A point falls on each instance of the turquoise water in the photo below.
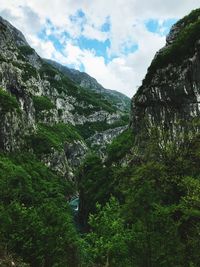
(74, 204)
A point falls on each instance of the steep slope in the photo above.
(152, 169)
(44, 110)
(146, 206)
(38, 143)
(47, 125)
(117, 99)
(169, 98)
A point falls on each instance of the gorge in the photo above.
(134, 164)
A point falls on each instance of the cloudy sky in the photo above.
(112, 40)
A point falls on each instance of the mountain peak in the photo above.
(7, 30)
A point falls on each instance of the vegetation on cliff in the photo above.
(36, 222)
(154, 219)
(139, 206)
(182, 47)
(8, 102)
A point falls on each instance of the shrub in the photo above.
(36, 221)
(48, 137)
(120, 146)
(8, 102)
(26, 50)
(42, 103)
(90, 128)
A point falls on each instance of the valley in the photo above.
(91, 178)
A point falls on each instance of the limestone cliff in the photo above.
(169, 97)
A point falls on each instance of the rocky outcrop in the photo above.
(102, 139)
(169, 98)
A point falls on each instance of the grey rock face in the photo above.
(106, 137)
(75, 152)
(170, 101)
(9, 32)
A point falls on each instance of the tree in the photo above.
(107, 243)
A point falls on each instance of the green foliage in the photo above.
(48, 70)
(90, 128)
(107, 243)
(7, 259)
(93, 177)
(28, 72)
(96, 100)
(26, 50)
(191, 18)
(42, 103)
(120, 146)
(182, 47)
(159, 213)
(62, 84)
(48, 137)
(8, 102)
(35, 219)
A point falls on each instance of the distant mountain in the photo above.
(45, 109)
(118, 99)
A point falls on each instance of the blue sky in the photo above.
(114, 41)
(101, 47)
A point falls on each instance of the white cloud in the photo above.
(93, 33)
(126, 18)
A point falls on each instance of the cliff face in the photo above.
(43, 110)
(169, 98)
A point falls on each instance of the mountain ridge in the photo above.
(86, 81)
(48, 99)
(135, 201)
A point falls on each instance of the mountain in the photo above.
(48, 124)
(147, 211)
(119, 100)
(138, 205)
(45, 106)
(169, 97)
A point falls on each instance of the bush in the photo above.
(8, 102)
(26, 50)
(42, 103)
(90, 128)
(36, 221)
(120, 146)
(107, 242)
(48, 137)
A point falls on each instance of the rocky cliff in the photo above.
(169, 97)
(43, 110)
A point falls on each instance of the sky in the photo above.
(114, 41)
